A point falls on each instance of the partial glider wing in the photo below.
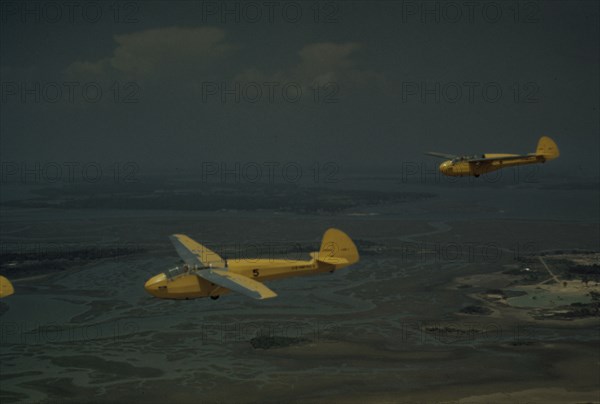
(505, 158)
(6, 288)
(442, 155)
(237, 283)
(195, 254)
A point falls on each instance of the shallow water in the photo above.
(92, 332)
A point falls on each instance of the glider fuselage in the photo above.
(461, 168)
(205, 273)
(185, 284)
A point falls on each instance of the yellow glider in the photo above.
(6, 288)
(206, 274)
(460, 166)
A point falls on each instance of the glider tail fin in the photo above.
(547, 148)
(337, 249)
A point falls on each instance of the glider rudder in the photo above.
(547, 148)
(336, 245)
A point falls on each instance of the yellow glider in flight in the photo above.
(6, 288)
(460, 166)
(206, 274)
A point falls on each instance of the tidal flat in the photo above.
(391, 328)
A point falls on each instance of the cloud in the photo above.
(319, 64)
(156, 53)
(178, 60)
(325, 60)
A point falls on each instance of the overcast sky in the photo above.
(364, 84)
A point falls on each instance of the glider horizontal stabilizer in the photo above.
(329, 260)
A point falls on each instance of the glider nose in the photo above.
(446, 167)
(156, 285)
